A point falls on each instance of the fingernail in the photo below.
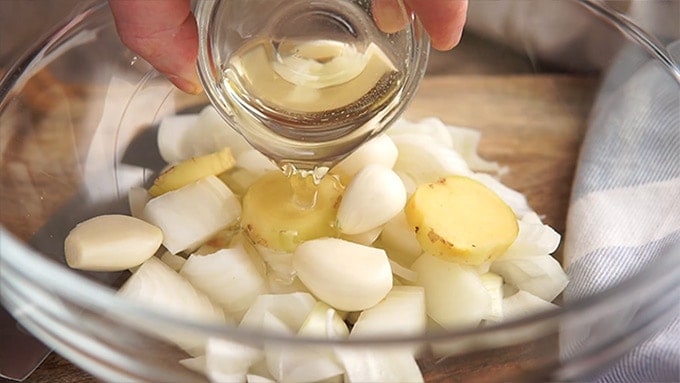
(189, 85)
(389, 16)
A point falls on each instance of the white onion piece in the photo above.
(291, 309)
(364, 365)
(494, 285)
(403, 272)
(229, 361)
(174, 261)
(192, 214)
(288, 363)
(542, 276)
(533, 240)
(137, 199)
(425, 160)
(379, 150)
(195, 364)
(211, 133)
(280, 263)
(516, 200)
(466, 142)
(397, 234)
(373, 197)
(409, 183)
(228, 277)
(276, 285)
(455, 294)
(431, 127)
(324, 322)
(111, 243)
(524, 303)
(255, 162)
(173, 137)
(346, 275)
(156, 285)
(300, 364)
(252, 378)
(401, 313)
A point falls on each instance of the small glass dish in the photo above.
(307, 82)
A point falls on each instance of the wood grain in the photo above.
(533, 124)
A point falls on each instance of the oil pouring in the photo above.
(306, 82)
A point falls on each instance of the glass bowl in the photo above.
(78, 119)
(256, 60)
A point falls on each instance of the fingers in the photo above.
(443, 20)
(164, 33)
(389, 15)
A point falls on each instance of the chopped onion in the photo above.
(174, 261)
(173, 138)
(137, 199)
(425, 160)
(192, 214)
(400, 314)
(229, 361)
(494, 285)
(291, 309)
(533, 239)
(228, 277)
(455, 294)
(524, 303)
(542, 276)
(516, 200)
(156, 285)
(429, 127)
(364, 365)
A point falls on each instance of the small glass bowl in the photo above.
(311, 48)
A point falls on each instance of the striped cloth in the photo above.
(625, 207)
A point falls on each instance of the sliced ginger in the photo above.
(281, 212)
(192, 170)
(459, 219)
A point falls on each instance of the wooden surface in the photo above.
(531, 123)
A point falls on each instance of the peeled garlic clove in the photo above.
(373, 197)
(379, 150)
(345, 275)
(111, 243)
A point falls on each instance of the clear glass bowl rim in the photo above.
(59, 280)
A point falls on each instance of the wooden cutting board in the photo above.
(531, 124)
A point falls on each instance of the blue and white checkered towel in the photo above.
(625, 207)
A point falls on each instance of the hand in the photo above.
(164, 32)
